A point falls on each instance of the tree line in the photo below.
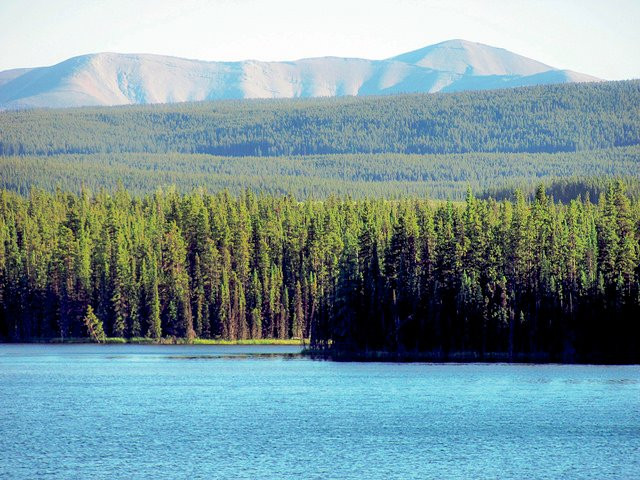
(547, 118)
(513, 277)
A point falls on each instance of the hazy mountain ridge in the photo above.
(120, 79)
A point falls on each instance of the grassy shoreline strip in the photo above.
(167, 341)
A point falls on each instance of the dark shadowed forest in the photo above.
(499, 279)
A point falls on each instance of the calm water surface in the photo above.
(156, 412)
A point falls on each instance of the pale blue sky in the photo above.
(598, 37)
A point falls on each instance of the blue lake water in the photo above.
(156, 412)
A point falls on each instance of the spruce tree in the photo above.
(94, 326)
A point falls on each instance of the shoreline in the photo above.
(460, 357)
(160, 341)
(371, 356)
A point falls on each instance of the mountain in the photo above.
(121, 79)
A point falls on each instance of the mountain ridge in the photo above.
(110, 78)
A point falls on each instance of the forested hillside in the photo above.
(358, 175)
(505, 280)
(124, 240)
(378, 146)
(553, 118)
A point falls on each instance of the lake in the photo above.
(202, 412)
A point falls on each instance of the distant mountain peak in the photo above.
(109, 78)
(470, 58)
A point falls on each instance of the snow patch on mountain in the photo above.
(120, 79)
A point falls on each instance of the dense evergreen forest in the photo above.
(318, 224)
(508, 279)
(358, 175)
(550, 118)
(401, 145)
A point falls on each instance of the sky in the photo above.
(597, 37)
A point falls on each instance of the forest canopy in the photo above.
(510, 279)
(318, 176)
(540, 119)
(389, 146)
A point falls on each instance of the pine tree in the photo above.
(120, 298)
(152, 296)
(178, 318)
(283, 315)
(298, 312)
(94, 326)
(255, 306)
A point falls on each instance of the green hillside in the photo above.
(366, 146)
(555, 118)
(358, 175)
